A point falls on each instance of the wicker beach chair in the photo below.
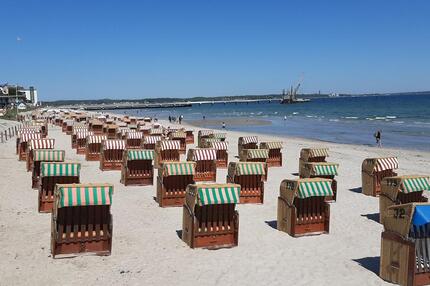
(172, 181)
(402, 190)
(76, 129)
(179, 135)
(43, 155)
(111, 154)
(93, 147)
(275, 154)
(81, 220)
(189, 139)
(150, 141)
(96, 126)
(166, 151)
(209, 217)
(311, 155)
(110, 131)
(26, 130)
(221, 152)
(201, 135)
(249, 175)
(255, 155)
(34, 144)
(373, 170)
(133, 140)
(302, 209)
(43, 124)
(322, 170)
(156, 131)
(52, 173)
(81, 141)
(68, 126)
(205, 164)
(405, 245)
(23, 142)
(137, 168)
(247, 142)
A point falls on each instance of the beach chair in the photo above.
(205, 164)
(110, 130)
(302, 209)
(256, 155)
(189, 139)
(275, 154)
(23, 141)
(102, 118)
(81, 141)
(165, 151)
(179, 135)
(93, 147)
(76, 129)
(249, 175)
(26, 130)
(111, 154)
(147, 119)
(133, 140)
(137, 168)
(221, 153)
(150, 141)
(96, 126)
(402, 190)
(209, 217)
(43, 155)
(156, 131)
(52, 173)
(203, 134)
(220, 136)
(172, 181)
(121, 132)
(247, 142)
(68, 126)
(33, 144)
(405, 245)
(145, 130)
(373, 170)
(81, 220)
(311, 155)
(322, 170)
(43, 124)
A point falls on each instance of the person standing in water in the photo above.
(223, 125)
(377, 135)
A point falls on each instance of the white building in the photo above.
(30, 95)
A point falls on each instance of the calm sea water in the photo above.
(403, 119)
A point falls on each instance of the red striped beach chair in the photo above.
(209, 217)
(256, 155)
(373, 170)
(93, 147)
(43, 155)
(33, 144)
(52, 173)
(25, 130)
(134, 140)
(81, 141)
(275, 154)
(166, 151)
(302, 209)
(149, 142)
(81, 220)
(137, 168)
(24, 139)
(189, 139)
(311, 155)
(205, 159)
(249, 175)
(402, 190)
(43, 124)
(181, 136)
(172, 181)
(156, 131)
(405, 244)
(322, 170)
(247, 142)
(203, 134)
(145, 130)
(221, 152)
(112, 154)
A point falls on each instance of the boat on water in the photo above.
(291, 97)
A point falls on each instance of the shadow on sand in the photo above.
(272, 223)
(356, 190)
(370, 263)
(374, 217)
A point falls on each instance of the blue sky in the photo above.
(139, 49)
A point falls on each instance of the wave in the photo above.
(351, 117)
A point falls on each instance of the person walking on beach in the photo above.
(180, 118)
(223, 125)
(377, 135)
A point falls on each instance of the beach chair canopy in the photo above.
(82, 134)
(113, 144)
(48, 155)
(156, 131)
(140, 154)
(246, 168)
(78, 127)
(110, 126)
(28, 130)
(96, 139)
(212, 194)
(179, 168)
(219, 135)
(75, 195)
(207, 141)
(42, 143)
(204, 154)
(69, 122)
(151, 139)
(372, 165)
(255, 154)
(392, 186)
(218, 145)
(57, 169)
(205, 132)
(30, 136)
(178, 135)
(96, 122)
(134, 135)
(402, 219)
(322, 168)
(305, 188)
(271, 145)
(314, 152)
(169, 145)
(248, 139)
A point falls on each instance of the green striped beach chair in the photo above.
(275, 154)
(172, 181)
(43, 155)
(81, 219)
(137, 168)
(209, 217)
(52, 173)
(249, 175)
(373, 170)
(311, 155)
(255, 155)
(322, 170)
(402, 190)
(302, 209)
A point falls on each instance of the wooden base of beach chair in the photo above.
(138, 173)
(310, 216)
(166, 156)
(46, 191)
(222, 159)
(213, 226)
(92, 156)
(385, 202)
(171, 190)
(110, 165)
(371, 184)
(205, 177)
(111, 160)
(78, 230)
(149, 146)
(274, 160)
(22, 151)
(73, 141)
(80, 150)
(205, 171)
(251, 188)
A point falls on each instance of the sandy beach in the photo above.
(148, 251)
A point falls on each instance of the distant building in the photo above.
(10, 93)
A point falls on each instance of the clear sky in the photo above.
(137, 49)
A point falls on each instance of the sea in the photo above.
(404, 120)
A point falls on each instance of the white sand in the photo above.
(147, 249)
